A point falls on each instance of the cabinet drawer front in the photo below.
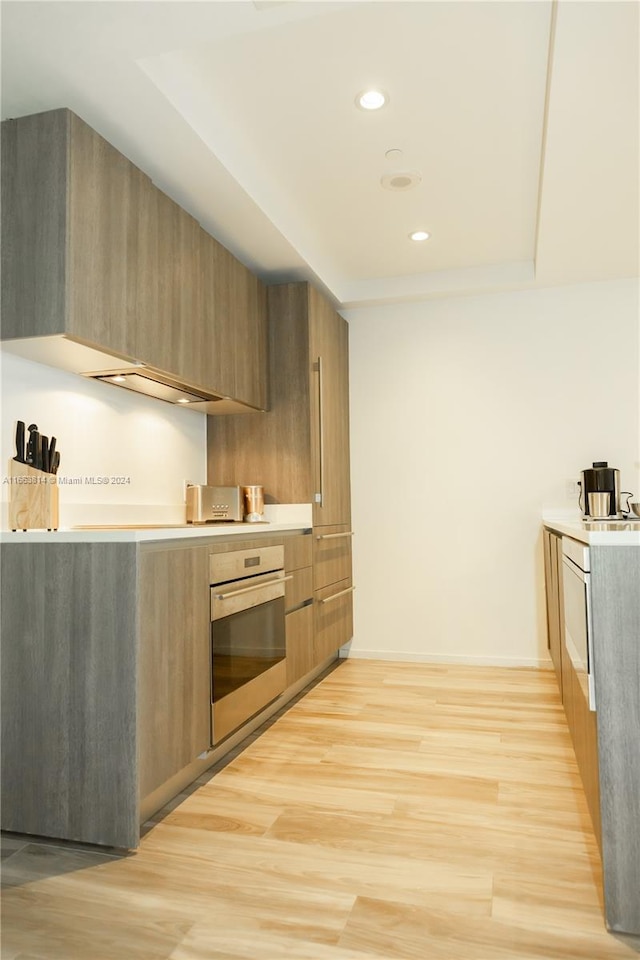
(331, 554)
(333, 618)
(297, 552)
(299, 634)
(299, 589)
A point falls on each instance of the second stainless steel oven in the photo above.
(248, 666)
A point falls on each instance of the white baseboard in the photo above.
(402, 657)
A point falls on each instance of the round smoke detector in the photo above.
(401, 180)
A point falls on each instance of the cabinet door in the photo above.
(154, 339)
(299, 589)
(34, 221)
(104, 194)
(333, 619)
(174, 662)
(582, 724)
(249, 308)
(329, 345)
(68, 691)
(299, 634)
(215, 266)
(272, 448)
(298, 551)
(170, 332)
(552, 570)
(187, 340)
(331, 555)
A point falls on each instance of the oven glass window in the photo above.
(246, 644)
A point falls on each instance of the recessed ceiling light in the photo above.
(401, 180)
(119, 379)
(419, 235)
(183, 400)
(371, 99)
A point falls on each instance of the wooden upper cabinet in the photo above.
(215, 266)
(69, 232)
(235, 325)
(188, 328)
(34, 223)
(158, 309)
(104, 194)
(249, 309)
(91, 249)
(170, 325)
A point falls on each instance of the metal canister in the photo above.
(253, 503)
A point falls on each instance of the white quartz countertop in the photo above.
(597, 532)
(148, 532)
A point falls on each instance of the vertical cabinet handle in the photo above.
(319, 497)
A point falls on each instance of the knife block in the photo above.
(33, 498)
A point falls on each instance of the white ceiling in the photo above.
(522, 119)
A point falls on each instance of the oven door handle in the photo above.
(255, 586)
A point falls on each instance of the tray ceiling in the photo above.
(518, 121)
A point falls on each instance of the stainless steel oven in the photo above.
(248, 666)
(578, 632)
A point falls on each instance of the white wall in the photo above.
(104, 431)
(468, 416)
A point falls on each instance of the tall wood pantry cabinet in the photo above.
(299, 449)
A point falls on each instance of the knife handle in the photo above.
(20, 441)
(37, 451)
(55, 462)
(44, 453)
(30, 457)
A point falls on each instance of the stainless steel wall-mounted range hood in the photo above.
(76, 357)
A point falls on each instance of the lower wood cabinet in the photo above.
(299, 606)
(582, 721)
(173, 662)
(300, 660)
(69, 673)
(105, 680)
(333, 589)
(333, 619)
(553, 583)
(583, 726)
(331, 554)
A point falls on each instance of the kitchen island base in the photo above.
(106, 684)
(605, 739)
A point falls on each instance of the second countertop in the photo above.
(597, 533)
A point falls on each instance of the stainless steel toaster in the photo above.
(207, 504)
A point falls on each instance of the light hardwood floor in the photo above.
(395, 811)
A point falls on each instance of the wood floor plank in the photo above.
(284, 865)
(395, 811)
(209, 942)
(225, 815)
(257, 780)
(412, 931)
